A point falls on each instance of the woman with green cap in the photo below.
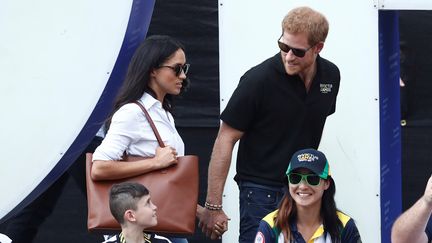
(308, 211)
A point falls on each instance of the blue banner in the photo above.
(390, 129)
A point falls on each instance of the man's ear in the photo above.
(129, 215)
(319, 47)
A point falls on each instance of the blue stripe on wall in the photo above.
(390, 129)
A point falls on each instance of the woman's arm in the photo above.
(111, 170)
(127, 127)
(265, 233)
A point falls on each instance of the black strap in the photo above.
(158, 137)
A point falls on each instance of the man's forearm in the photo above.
(218, 170)
(410, 226)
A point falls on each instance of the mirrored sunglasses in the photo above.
(178, 68)
(311, 179)
(296, 51)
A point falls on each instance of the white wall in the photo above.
(56, 57)
(404, 4)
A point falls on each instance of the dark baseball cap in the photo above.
(311, 159)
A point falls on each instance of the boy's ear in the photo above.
(129, 216)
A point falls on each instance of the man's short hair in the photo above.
(125, 196)
(306, 20)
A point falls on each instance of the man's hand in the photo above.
(218, 230)
(212, 222)
(410, 226)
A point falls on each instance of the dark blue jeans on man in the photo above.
(256, 201)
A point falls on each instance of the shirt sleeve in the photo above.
(265, 233)
(123, 130)
(335, 76)
(244, 103)
(332, 109)
(350, 233)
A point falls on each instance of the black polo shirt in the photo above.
(278, 117)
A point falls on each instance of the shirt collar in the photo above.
(318, 233)
(281, 68)
(148, 101)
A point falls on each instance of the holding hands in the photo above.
(214, 223)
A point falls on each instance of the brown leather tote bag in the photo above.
(174, 190)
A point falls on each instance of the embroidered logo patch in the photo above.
(259, 238)
(307, 157)
(326, 88)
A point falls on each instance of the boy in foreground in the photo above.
(131, 206)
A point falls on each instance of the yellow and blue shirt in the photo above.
(269, 233)
(148, 238)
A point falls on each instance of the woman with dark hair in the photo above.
(308, 211)
(155, 74)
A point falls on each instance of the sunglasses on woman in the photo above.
(296, 51)
(311, 179)
(178, 68)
